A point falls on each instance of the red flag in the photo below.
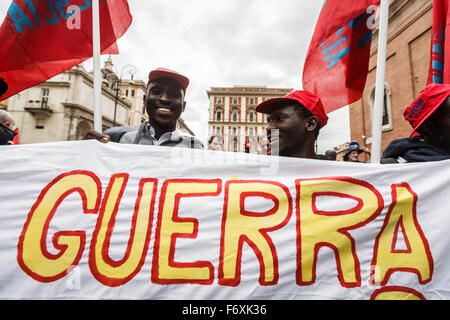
(42, 38)
(440, 60)
(337, 62)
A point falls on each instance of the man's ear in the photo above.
(311, 124)
(184, 106)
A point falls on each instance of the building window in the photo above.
(235, 145)
(218, 132)
(250, 132)
(132, 93)
(251, 115)
(235, 101)
(219, 100)
(44, 97)
(219, 114)
(40, 123)
(387, 111)
(251, 101)
(234, 131)
(235, 114)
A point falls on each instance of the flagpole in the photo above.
(377, 119)
(97, 75)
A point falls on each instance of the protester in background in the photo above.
(165, 101)
(294, 123)
(263, 143)
(7, 126)
(215, 143)
(3, 86)
(429, 116)
(353, 152)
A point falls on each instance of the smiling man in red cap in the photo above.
(429, 116)
(164, 102)
(294, 123)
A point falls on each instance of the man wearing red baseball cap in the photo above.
(165, 102)
(294, 123)
(429, 116)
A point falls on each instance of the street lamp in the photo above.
(125, 69)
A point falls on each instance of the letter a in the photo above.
(417, 258)
(74, 21)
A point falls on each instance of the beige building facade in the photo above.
(232, 114)
(62, 108)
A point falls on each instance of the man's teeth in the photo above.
(164, 109)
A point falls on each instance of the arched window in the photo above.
(235, 114)
(219, 114)
(387, 112)
(82, 128)
(251, 114)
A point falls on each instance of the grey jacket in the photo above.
(145, 135)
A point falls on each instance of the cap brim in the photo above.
(270, 105)
(182, 80)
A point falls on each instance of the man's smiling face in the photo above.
(164, 102)
(290, 128)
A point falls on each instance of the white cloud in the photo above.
(224, 43)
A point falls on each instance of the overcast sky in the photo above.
(223, 43)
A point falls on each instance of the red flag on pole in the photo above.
(440, 60)
(337, 62)
(42, 38)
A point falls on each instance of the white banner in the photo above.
(85, 220)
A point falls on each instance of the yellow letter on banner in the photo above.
(170, 226)
(33, 256)
(115, 273)
(329, 228)
(239, 226)
(417, 256)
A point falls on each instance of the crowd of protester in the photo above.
(294, 124)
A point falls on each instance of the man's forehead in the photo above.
(284, 108)
(167, 82)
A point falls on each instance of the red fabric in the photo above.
(425, 104)
(307, 99)
(440, 60)
(16, 137)
(37, 44)
(337, 62)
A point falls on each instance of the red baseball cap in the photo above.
(426, 104)
(307, 99)
(167, 73)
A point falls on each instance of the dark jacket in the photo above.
(142, 135)
(413, 149)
